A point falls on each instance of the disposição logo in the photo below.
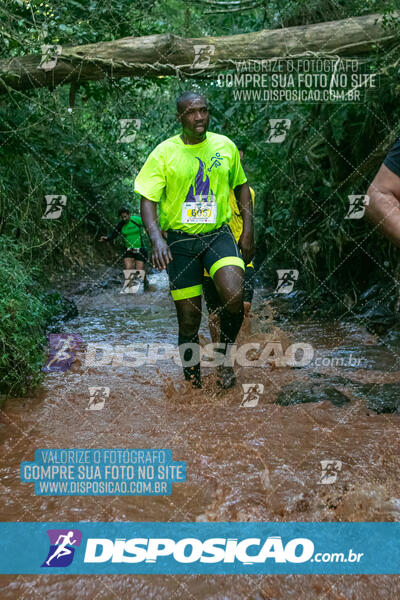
(62, 547)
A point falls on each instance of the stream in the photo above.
(254, 462)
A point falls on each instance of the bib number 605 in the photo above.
(200, 212)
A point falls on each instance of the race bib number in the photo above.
(199, 212)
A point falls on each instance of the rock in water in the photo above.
(300, 392)
(60, 308)
(382, 397)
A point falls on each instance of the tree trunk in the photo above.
(167, 54)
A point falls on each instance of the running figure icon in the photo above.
(62, 549)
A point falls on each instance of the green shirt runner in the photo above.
(130, 231)
(191, 182)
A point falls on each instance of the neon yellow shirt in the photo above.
(179, 175)
(236, 221)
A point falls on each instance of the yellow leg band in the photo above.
(231, 261)
(189, 292)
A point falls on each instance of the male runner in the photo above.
(384, 196)
(210, 293)
(189, 176)
(130, 228)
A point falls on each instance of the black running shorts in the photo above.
(192, 253)
(136, 254)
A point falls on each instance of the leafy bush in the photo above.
(23, 318)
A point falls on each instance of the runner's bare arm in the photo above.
(161, 253)
(116, 231)
(246, 241)
(384, 203)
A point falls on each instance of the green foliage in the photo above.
(24, 314)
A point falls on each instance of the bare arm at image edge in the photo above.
(384, 204)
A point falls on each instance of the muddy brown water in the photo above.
(243, 464)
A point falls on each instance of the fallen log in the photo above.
(168, 54)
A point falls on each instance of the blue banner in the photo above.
(194, 548)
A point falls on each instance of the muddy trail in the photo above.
(259, 461)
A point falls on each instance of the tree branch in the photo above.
(168, 54)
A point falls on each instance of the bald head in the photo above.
(186, 98)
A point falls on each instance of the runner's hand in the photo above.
(103, 238)
(246, 245)
(161, 254)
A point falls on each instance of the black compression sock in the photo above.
(190, 353)
(230, 324)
